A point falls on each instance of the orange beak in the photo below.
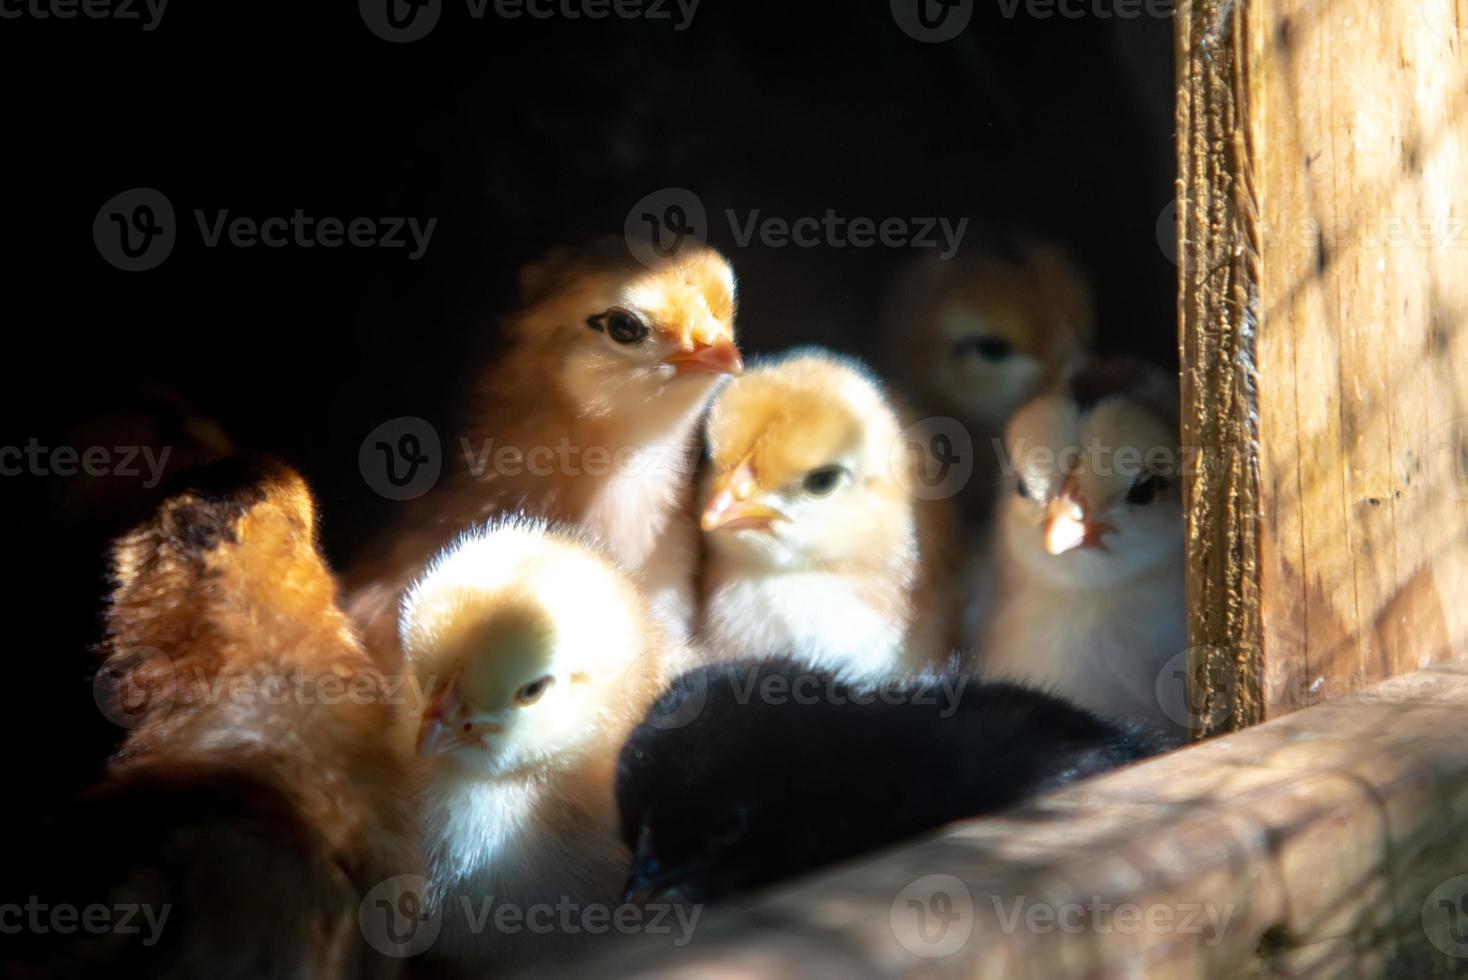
(448, 724)
(729, 509)
(1067, 526)
(717, 357)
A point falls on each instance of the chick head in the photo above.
(985, 333)
(802, 471)
(530, 646)
(624, 333)
(1093, 495)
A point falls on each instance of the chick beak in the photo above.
(448, 724)
(1067, 526)
(707, 357)
(730, 508)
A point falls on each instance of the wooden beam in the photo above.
(1324, 231)
(1321, 844)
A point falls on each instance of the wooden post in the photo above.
(1323, 227)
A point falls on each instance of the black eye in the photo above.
(989, 348)
(824, 481)
(728, 829)
(620, 325)
(1022, 489)
(531, 693)
(1146, 489)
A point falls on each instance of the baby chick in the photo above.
(1089, 554)
(590, 419)
(977, 336)
(256, 800)
(777, 769)
(817, 546)
(542, 655)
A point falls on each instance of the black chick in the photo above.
(748, 773)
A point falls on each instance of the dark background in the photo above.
(516, 135)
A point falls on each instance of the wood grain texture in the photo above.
(1325, 280)
(1319, 845)
(1218, 324)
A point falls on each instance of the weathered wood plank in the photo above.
(1324, 285)
(1320, 844)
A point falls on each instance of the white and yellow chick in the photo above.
(589, 419)
(817, 547)
(541, 655)
(1088, 551)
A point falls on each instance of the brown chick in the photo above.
(256, 799)
(975, 337)
(593, 415)
(818, 547)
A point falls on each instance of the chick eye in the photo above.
(824, 481)
(620, 325)
(992, 349)
(1022, 489)
(532, 692)
(729, 828)
(1146, 489)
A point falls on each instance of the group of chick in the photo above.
(730, 636)
(548, 612)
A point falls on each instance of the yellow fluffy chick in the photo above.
(1088, 555)
(589, 419)
(818, 548)
(542, 655)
